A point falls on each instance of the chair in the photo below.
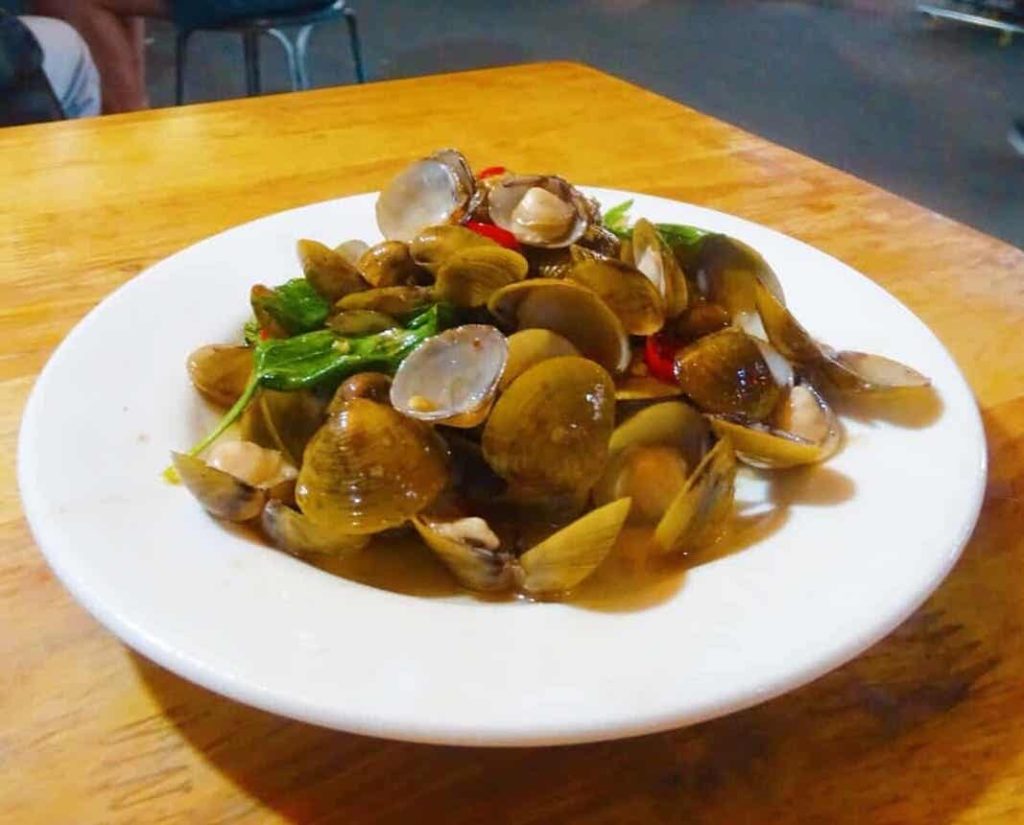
(251, 28)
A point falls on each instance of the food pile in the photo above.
(515, 377)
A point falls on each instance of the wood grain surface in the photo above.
(924, 728)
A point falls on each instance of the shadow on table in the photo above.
(915, 730)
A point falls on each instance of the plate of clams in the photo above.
(490, 457)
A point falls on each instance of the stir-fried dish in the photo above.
(515, 377)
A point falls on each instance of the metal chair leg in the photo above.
(251, 50)
(180, 63)
(353, 38)
(302, 54)
(294, 70)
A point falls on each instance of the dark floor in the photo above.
(865, 85)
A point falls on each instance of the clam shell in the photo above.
(548, 432)
(389, 263)
(563, 560)
(220, 373)
(699, 511)
(431, 191)
(626, 291)
(652, 257)
(369, 468)
(469, 277)
(531, 346)
(539, 210)
(297, 535)
(328, 272)
(477, 568)
(574, 312)
(220, 493)
(435, 244)
(391, 300)
(726, 373)
(451, 378)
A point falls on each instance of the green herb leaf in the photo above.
(322, 359)
(251, 332)
(677, 234)
(617, 219)
(295, 306)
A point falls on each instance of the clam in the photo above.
(428, 192)
(855, 372)
(699, 319)
(389, 263)
(601, 240)
(539, 210)
(469, 549)
(803, 430)
(645, 388)
(352, 250)
(727, 373)
(330, 274)
(373, 385)
(563, 560)
(359, 322)
(863, 372)
(297, 535)
(670, 423)
(283, 421)
(369, 468)
(260, 467)
(655, 260)
(650, 457)
(220, 373)
(574, 312)
(223, 495)
(435, 244)
(391, 300)
(469, 277)
(547, 435)
(531, 346)
(700, 510)
(237, 480)
(626, 291)
(451, 378)
(729, 273)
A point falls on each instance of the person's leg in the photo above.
(68, 66)
(115, 43)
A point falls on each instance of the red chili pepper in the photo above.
(495, 233)
(491, 171)
(264, 335)
(659, 355)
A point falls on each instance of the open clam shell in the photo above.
(539, 210)
(655, 260)
(296, 534)
(431, 191)
(700, 510)
(565, 559)
(729, 273)
(803, 430)
(220, 372)
(220, 493)
(389, 263)
(389, 300)
(469, 549)
(573, 311)
(451, 378)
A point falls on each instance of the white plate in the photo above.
(864, 544)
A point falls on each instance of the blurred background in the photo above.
(919, 105)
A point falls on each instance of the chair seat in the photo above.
(308, 15)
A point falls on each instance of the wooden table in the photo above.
(924, 728)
